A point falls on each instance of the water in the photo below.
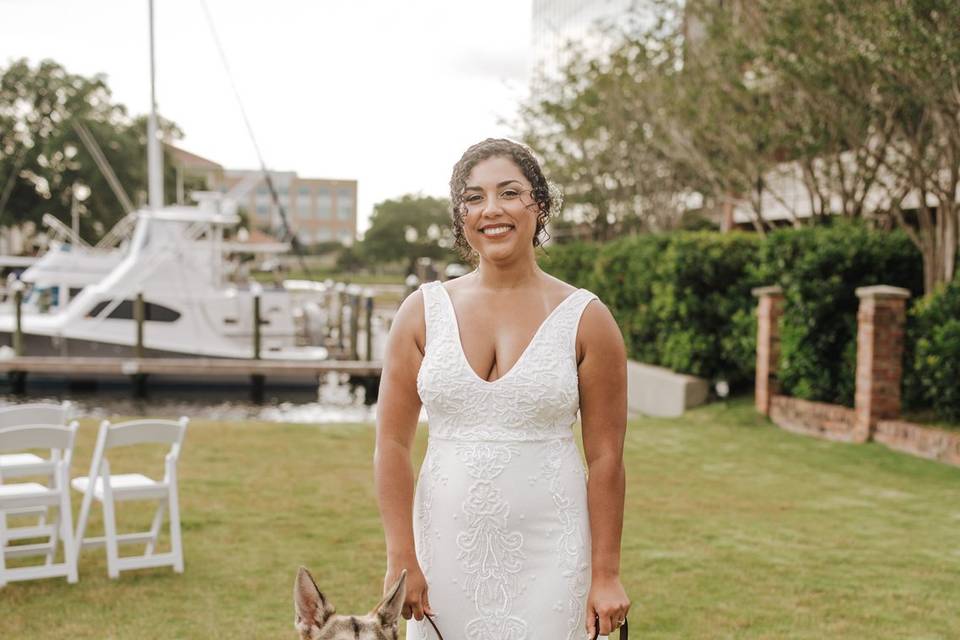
(335, 401)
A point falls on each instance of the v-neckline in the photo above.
(523, 354)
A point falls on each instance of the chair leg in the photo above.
(155, 528)
(55, 535)
(110, 536)
(176, 546)
(3, 548)
(66, 534)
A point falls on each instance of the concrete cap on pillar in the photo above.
(882, 291)
(772, 290)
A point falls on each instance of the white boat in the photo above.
(70, 264)
(175, 258)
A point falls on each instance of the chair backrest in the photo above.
(38, 436)
(35, 413)
(145, 432)
(134, 432)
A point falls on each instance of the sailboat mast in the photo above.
(154, 154)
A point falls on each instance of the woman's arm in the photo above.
(398, 408)
(603, 412)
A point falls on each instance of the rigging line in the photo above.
(288, 231)
(102, 163)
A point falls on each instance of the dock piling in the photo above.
(354, 326)
(18, 326)
(139, 316)
(368, 351)
(256, 327)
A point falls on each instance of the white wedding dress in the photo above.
(500, 513)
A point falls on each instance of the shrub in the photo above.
(819, 269)
(623, 277)
(674, 296)
(702, 285)
(932, 363)
(571, 262)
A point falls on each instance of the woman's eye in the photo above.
(473, 198)
(509, 194)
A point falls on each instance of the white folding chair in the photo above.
(14, 465)
(18, 499)
(109, 489)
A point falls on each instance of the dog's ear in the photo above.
(388, 611)
(312, 609)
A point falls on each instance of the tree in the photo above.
(43, 161)
(592, 128)
(408, 228)
(852, 106)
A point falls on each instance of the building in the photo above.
(317, 209)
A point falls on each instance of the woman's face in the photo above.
(499, 212)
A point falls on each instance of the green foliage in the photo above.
(572, 262)
(703, 281)
(932, 365)
(674, 296)
(42, 159)
(387, 238)
(819, 269)
(816, 108)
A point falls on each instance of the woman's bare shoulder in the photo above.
(599, 332)
(409, 323)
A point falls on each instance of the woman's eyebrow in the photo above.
(499, 185)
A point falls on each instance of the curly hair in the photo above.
(523, 157)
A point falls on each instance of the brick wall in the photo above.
(820, 419)
(880, 330)
(918, 440)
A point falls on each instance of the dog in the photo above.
(316, 618)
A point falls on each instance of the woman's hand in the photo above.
(416, 602)
(607, 601)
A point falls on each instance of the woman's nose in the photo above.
(491, 203)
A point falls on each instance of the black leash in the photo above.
(623, 628)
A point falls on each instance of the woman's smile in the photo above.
(495, 232)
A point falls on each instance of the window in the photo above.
(324, 203)
(344, 204)
(304, 192)
(152, 312)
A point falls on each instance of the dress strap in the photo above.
(432, 308)
(574, 312)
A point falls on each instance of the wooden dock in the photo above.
(197, 370)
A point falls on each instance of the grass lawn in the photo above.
(734, 529)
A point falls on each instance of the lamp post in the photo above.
(78, 194)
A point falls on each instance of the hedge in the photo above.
(678, 297)
(819, 269)
(683, 299)
(932, 362)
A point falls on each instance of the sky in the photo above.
(387, 92)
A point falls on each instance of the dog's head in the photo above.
(316, 618)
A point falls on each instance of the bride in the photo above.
(507, 536)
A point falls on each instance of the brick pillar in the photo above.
(769, 310)
(880, 324)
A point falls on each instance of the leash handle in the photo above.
(624, 631)
(433, 624)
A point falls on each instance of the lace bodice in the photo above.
(537, 399)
